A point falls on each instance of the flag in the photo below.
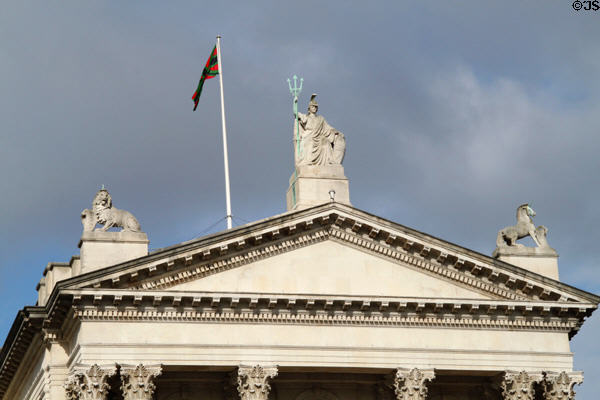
(210, 71)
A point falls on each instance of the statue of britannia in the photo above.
(317, 142)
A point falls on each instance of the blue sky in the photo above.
(454, 114)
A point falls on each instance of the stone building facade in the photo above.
(323, 302)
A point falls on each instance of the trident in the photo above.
(295, 91)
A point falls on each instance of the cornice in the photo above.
(429, 255)
(274, 308)
(332, 221)
(26, 326)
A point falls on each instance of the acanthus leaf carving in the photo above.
(520, 385)
(72, 388)
(253, 382)
(412, 384)
(89, 384)
(137, 381)
(560, 386)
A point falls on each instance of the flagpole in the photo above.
(225, 158)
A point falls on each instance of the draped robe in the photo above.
(320, 143)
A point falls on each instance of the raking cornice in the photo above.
(523, 299)
(346, 225)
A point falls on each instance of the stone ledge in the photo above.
(319, 172)
(310, 185)
(121, 237)
(525, 251)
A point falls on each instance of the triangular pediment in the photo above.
(332, 268)
(330, 249)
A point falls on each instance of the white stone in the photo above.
(102, 249)
(333, 268)
(331, 289)
(310, 185)
(543, 264)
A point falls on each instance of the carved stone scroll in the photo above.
(520, 385)
(412, 384)
(253, 382)
(89, 384)
(137, 381)
(560, 386)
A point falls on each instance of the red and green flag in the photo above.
(210, 71)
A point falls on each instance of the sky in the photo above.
(454, 114)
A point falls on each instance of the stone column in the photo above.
(89, 384)
(520, 385)
(253, 382)
(412, 384)
(137, 381)
(560, 386)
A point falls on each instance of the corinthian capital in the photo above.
(137, 381)
(412, 384)
(89, 383)
(253, 382)
(560, 386)
(520, 385)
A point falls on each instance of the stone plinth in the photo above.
(541, 260)
(310, 185)
(102, 249)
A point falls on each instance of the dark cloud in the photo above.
(454, 112)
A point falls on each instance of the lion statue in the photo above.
(104, 213)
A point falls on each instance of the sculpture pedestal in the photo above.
(541, 260)
(310, 186)
(102, 249)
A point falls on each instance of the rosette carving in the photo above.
(137, 381)
(412, 384)
(253, 382)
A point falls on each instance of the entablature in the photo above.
(274, 308)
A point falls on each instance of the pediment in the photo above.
(330, 249)
(332, 268)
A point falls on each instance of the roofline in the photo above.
(30, 313)
(247, 228)
(25, 316)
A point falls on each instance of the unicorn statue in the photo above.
(508, 236)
